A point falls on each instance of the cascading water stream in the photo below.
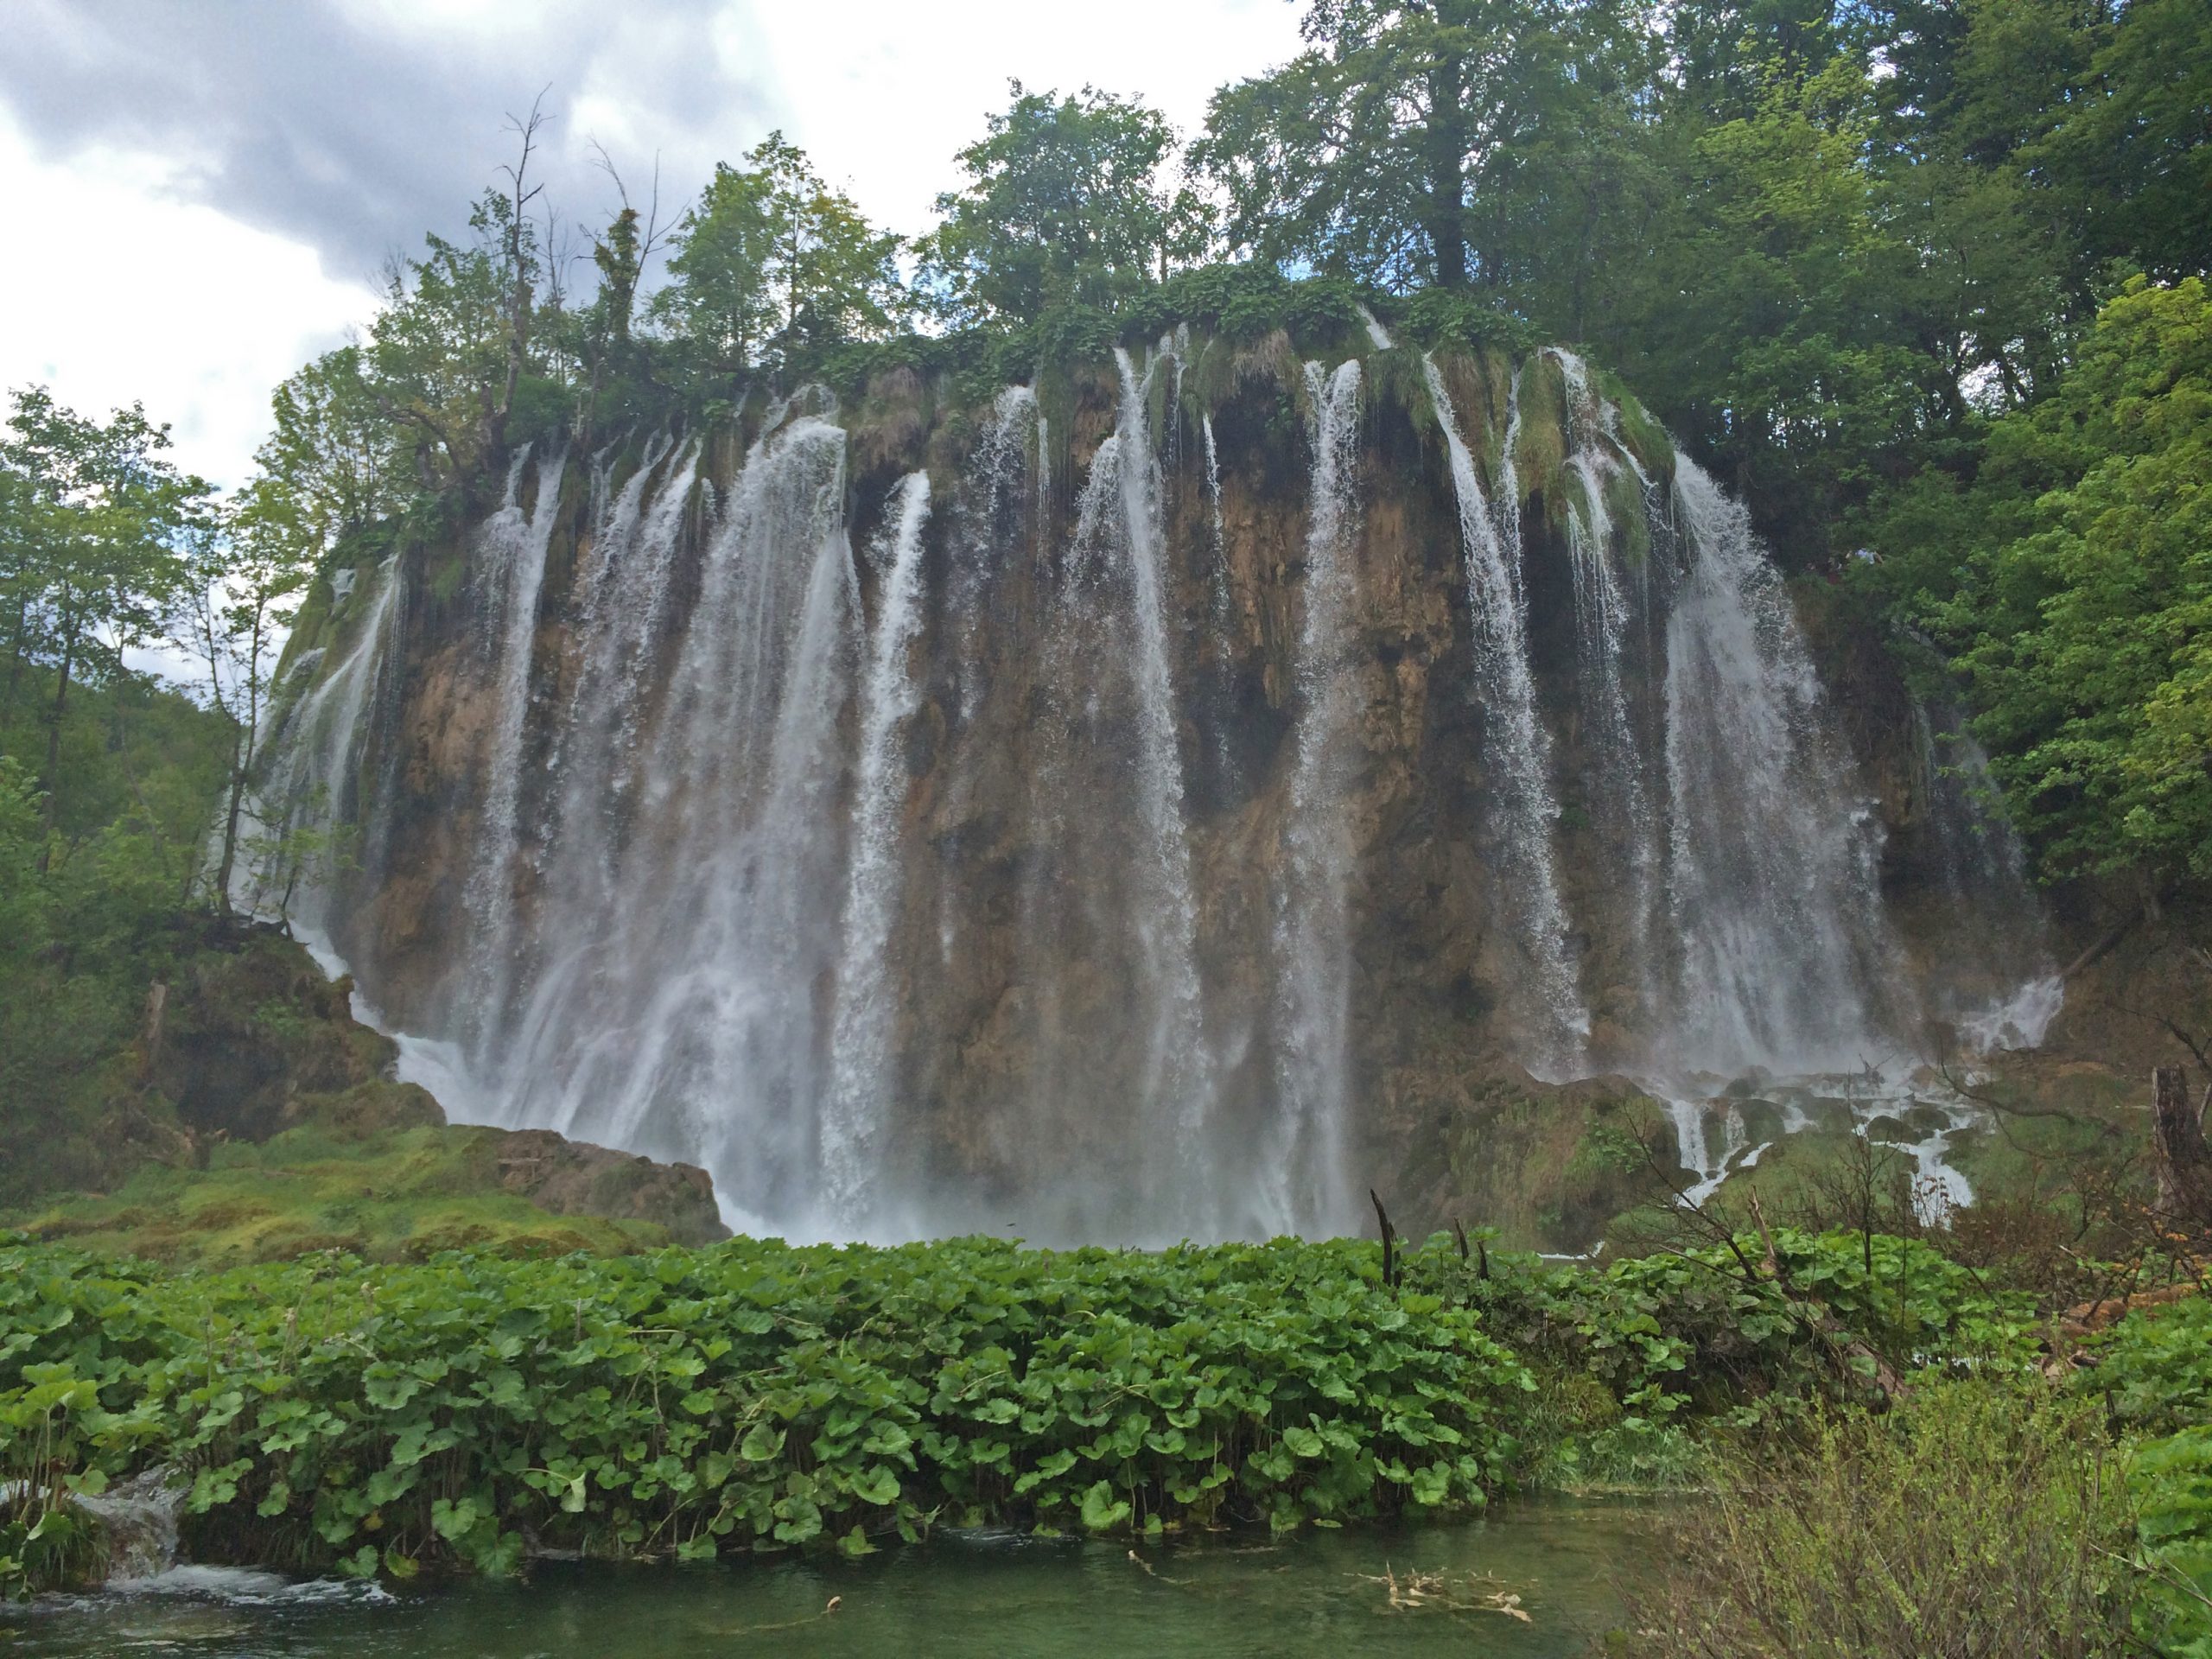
(1615, 785)
(318, 750)
(513, 547)
(691, 922)
(1520, 756)
(1993, 925)
(1220, 548)
(1178, 1092)
(1773, 851)
(1305, 1179)
(861, 1075)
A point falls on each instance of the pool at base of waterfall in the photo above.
(1537, 1578)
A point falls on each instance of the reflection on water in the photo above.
(1535, 1580)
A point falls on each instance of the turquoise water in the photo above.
(1538, 1580)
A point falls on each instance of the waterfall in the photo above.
(1520, 756)
(1304, 1174)
(511, 547)
(861, 1047)
(691, 911)
(314, 783)
(1773, 848)
(1025, 894)
(2001, 989)
(1615, 784)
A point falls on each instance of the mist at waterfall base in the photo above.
(726, 849)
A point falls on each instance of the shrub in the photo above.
(1972, 1520)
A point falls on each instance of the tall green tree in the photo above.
(2072, 581)
(1414, 141)
(439, 352)
(772, 263)
(246, 574)
(1068, 201)
(331, 447)
(99, 516)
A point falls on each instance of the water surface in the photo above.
(1538, 1580)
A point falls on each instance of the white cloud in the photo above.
(882, 92)
(116, 292)
(124, 282)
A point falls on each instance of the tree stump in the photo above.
(2184, 1157)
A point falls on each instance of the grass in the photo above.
(396, 1195)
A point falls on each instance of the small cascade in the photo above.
(593, 749)
(317, 752)
(1507, 488)
(1615, 784)
(2000, 988)
(138, 1519)
(1521, 759)
(1773, 849)
(1219, 550)
(511, 547)
(860, 1046)
(991, 513)
(1307, 1188)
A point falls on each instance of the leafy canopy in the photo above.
(2072, 580)
(1066, 204)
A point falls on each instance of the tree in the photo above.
(437, 352)
(2130, 149)
(246, 574)
(330, 447)
(1065, 204)
(2073, 581)
(772, 264)
(1397, 148)
(98, 517)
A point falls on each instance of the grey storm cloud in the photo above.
(354, 134)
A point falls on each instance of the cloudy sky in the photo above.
(203, 193)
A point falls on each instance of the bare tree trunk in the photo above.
(54, 752)
(240, 756)
(2185, 1156)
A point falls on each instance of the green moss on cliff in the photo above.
(391, 1195)
(1552, 1168)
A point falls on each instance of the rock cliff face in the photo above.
(1163, 800)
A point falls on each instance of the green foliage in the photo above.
(1413, 144)
(753, 1396)
(389, 1195)
(330, 450)
(2073, 581)
(1065, 207)
(772, 266)
(2153, 1373)
(1971, 1519)
(2172, 1483)
(2154, 1368)
(436, 356)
